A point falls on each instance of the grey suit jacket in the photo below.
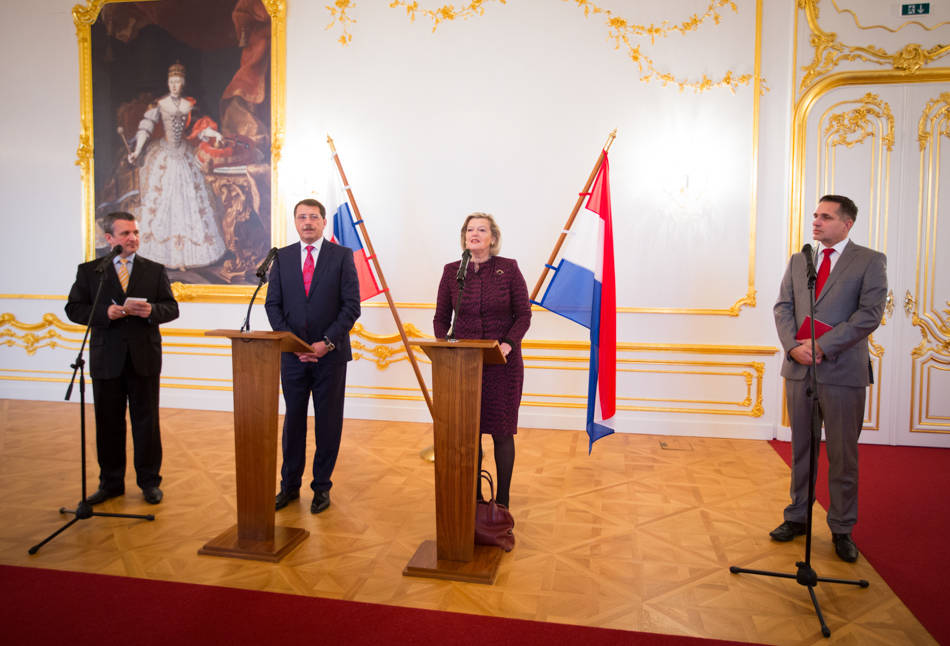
(852, 302)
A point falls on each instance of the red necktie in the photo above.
(308, 270)
(823, 271)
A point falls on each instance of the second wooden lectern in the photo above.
(456, 399)
(255, 358)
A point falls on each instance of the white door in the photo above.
(882, 145)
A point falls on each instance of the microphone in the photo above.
(109, 257)
(466, 256)
(812, 274)
(262, 276)
(264, 266)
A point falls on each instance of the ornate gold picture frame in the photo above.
(182, 109)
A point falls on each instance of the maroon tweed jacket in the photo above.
(494, 306)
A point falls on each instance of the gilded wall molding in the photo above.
(849, 123)
(909, 23)
(829, 51)
(928, 367)
(696, 361)
(733, 310)
(801, 113)
(931, 358)
(933, 128)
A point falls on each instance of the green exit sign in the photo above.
(915, 9)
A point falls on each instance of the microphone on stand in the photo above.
(265, 266)
(466, 257)
(262, 278)
(109, 257)
(460, 277)
(812, 274)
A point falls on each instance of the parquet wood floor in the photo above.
(637, 536)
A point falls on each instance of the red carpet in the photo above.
(903, 523)
(39, 607)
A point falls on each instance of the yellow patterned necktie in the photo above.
(124, 274)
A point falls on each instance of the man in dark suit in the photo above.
(850, 294)
(314, 292)
(125, 356)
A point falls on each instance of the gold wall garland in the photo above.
(621, 31)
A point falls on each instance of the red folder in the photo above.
(804, 332)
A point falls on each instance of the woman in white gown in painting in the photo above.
(177, 221)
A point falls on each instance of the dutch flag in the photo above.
(583, 290)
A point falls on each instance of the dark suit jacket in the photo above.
(852, 302)
(110, 341)
(332, 306)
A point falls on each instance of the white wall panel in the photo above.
(504, 113)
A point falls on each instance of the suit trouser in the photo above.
(326, 383)
(842, 410)
(111, 395)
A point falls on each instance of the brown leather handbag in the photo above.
(493, 522)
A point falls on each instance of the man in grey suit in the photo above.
(850, 294)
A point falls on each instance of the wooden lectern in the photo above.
(255, 358)
(456, 399)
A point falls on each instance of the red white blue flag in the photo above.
(345, 233)
(583, 290)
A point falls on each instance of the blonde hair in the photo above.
(492, 225)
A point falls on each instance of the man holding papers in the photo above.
(125, 355)
(850, 294)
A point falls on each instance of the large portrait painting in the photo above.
(180, 98)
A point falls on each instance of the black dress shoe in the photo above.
(787, 531)
(845, 547)
(153, 495)
(284, 498)
(102, 495)
(321, 502)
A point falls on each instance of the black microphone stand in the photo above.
(246, 326)
(262, 276)
(806, 575)
(84, 509)
(455, 311)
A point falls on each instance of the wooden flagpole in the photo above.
(379, 274)
(570, 221)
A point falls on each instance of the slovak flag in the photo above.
(345, 233)
(583, 290)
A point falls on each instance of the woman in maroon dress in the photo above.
(494, 306)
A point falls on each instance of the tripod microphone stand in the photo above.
(84, 509)
(806, 575)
